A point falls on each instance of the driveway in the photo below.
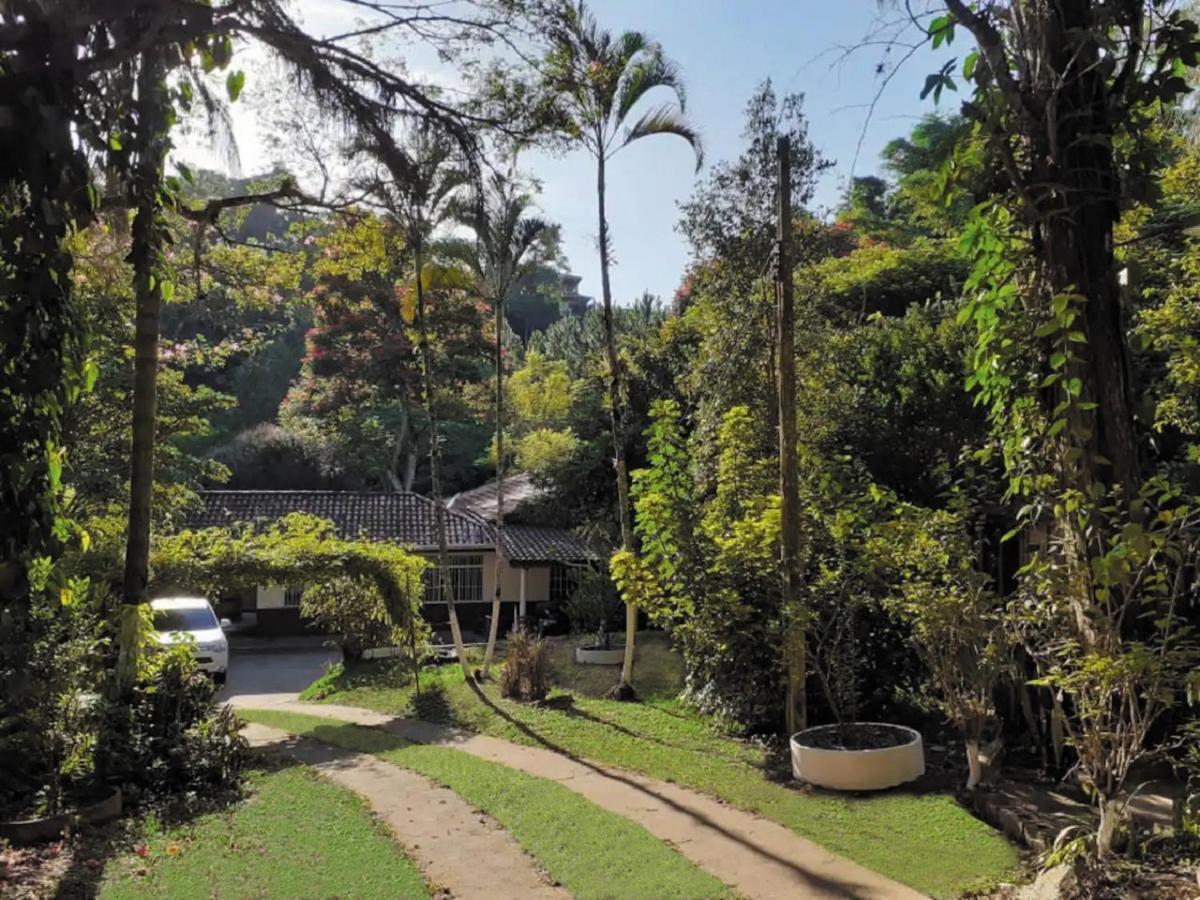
(264, 677)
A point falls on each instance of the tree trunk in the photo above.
(616, 418)
(435, 453)
(146, 252)
(1110, 821)
(394, 479)
(795, 638)
(974, 764)
(499, 375)
(146, 257)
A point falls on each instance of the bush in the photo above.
(526, 673)
(594, 606)
(353, 610)
(49, 668)
(170, 736)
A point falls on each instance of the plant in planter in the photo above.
(840, 590)
(956, 618)
(593, 608)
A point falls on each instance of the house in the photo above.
(538, 570)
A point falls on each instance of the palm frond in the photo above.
(652, 70)
(666, 119)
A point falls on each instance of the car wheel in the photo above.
(219, 677)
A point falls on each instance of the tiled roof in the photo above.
(482, 501)
(405, 518)
(531, 543)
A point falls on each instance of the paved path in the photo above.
(262, 679)
(462, 852)
(756, 857)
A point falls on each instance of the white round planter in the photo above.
(858, 770)
(598, 656)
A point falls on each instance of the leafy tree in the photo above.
(359, 392)
(417, 186)
(510, 244)
(598, 80)
(1065, 95)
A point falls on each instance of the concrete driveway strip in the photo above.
(758, 858)
(462, 852)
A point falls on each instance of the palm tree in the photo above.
(508, 245)
(598, 81)
(418, 189)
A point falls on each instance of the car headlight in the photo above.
(212, 647)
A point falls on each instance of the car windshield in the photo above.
(191, 618)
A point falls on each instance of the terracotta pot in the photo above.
(858, 770)
(598, 656)
(32, 831)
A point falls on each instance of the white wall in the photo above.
(270, 596)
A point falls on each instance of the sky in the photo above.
(725, 48)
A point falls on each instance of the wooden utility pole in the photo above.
(789, 492)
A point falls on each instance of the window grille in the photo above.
(562, 583)
(291, 596)
(466, 579)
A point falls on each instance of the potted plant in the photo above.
(592, 609)
(849, 755)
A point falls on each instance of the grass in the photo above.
(296, 836)
(925, 840)
(590, 851)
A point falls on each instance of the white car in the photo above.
(178, 619)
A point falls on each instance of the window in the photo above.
(562, 583)
(184, 618)
(466, 579)
(291, 596)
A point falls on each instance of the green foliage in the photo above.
(357, 400)
(297, 549)
(709, 570)
(353, 610)
(956, 617)
(47, 742)
(171, 737)
(594, 607)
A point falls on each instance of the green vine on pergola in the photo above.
(298, 549)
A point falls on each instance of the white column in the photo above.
(521, 606)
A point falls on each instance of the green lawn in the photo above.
(590, 851)
(925, 840)
(297, 835)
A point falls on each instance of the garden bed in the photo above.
(38, 829)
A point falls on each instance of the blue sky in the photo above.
(725, 48)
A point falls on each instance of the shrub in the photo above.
(352, 610)
(47, 721)
(170, 736)
(526, 673)
(594, 606)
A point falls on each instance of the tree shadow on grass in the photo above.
(91, 849)
(682, 746)
(433, 705)
(815, 881)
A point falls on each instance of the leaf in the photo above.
(969, 64)
(114, 141)
(931, 82)
(234, 82)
